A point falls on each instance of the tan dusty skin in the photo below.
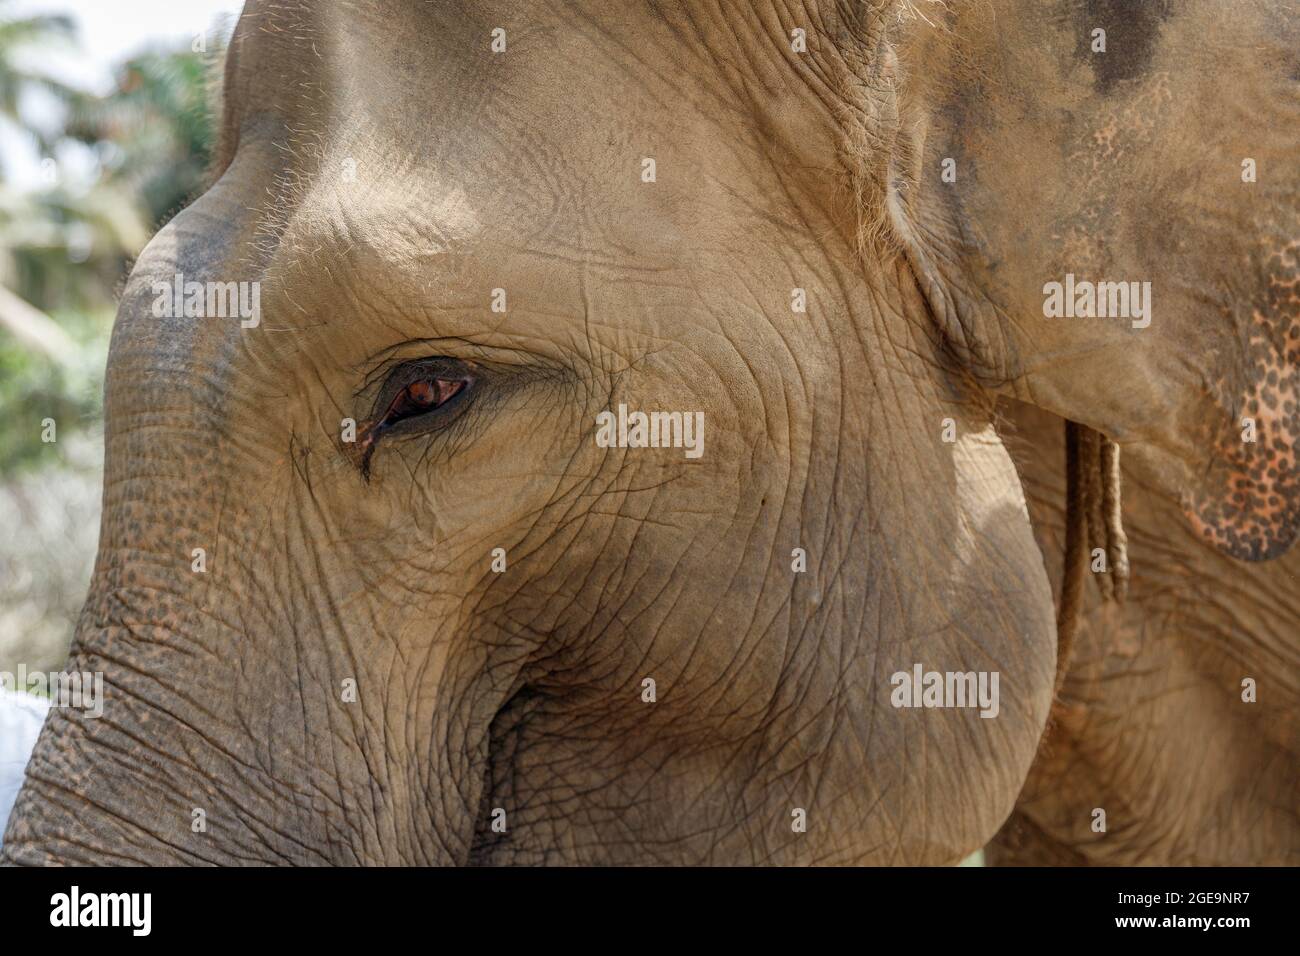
(381, 173)
(1151, 725)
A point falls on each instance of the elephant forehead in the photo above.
(622, 206)
(430, 259)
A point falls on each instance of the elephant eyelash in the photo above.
(417, 397)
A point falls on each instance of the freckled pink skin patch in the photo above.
(1251, 507)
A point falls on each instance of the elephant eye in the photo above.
(418, 396)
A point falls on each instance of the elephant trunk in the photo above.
(253, 709)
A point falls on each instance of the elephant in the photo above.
(407, 556)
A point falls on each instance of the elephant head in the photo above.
(390, 568)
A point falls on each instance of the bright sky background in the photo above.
(109, 31)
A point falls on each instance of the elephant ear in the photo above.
(1249, 502)
(1208, 397)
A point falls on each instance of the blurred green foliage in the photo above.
(155, 130)
(32, 388)
(19, 34)
(65, 248)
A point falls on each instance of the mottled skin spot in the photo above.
(1119, 139)
(1251, 508)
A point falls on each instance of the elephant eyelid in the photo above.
(416, 397)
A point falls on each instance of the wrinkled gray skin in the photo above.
(776, 170)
